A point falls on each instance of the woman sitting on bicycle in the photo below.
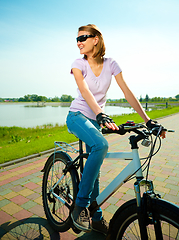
(86, 117)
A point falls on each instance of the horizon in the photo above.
(50, 98)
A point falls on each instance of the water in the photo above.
(21, 115)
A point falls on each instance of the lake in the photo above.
(24, 115)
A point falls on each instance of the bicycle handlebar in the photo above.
(131, 126)
(121, 130)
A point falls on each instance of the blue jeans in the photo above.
(88, 131)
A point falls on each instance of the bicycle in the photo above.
(146, 216)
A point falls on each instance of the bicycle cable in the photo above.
(148, 159)
(148, 165)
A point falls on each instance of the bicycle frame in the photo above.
(132, 167)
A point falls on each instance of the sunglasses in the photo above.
(83, 38)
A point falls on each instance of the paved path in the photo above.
(21, 210)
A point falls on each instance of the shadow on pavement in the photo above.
(91, 236)
(30, 228)
(36, 228)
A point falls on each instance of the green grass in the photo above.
(16, 142)
(155, 114)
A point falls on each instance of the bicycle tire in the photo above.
(57, 213)
(124, 224)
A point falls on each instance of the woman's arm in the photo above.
(132, 100)
(85, 92)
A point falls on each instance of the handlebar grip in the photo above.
(121, 130)
(170, 130)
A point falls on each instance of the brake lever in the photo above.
(159, 130)
(156, 130)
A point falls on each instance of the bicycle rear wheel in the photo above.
(124, 224)
(57, 211)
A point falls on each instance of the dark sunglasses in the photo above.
(83, 38)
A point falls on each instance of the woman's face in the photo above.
(86, 47)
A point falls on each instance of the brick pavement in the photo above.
(21, 210)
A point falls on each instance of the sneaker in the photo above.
(100, 226)
(81, 218)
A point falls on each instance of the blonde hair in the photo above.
(100, 47)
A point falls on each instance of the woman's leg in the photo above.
(85, 130)
(98, 214)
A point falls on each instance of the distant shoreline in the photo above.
(62, 104)
(67, 104)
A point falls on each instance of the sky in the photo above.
(38, 45)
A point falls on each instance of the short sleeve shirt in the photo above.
(97, 85)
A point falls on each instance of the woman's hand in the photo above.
(154, 124)
(104, 120)
(112, 126)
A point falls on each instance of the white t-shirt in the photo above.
(97, 85)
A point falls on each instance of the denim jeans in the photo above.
(88, 131)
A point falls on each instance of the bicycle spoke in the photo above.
(132, 232)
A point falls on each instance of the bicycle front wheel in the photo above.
(124, 224)
(58, 198)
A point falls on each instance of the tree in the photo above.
(21, 99)
(41, 99)
(66, 98)
(177, 96)
(34, 97)
(27, 98)
(147, 98)
(56, 99)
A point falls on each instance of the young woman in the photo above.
(86, 117)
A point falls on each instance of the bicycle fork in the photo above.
(146, 214)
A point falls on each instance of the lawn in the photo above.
(16, 142)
